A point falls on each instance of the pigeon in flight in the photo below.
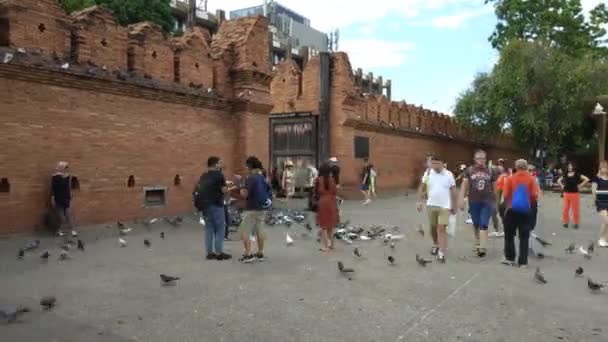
(168, 280)
(80, 245)
(579, 272)
(421, 261)
(539, 276)
(147, 243)
(122, 242)
(391, 260)
(48, 302)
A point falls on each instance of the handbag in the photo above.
(314, 196)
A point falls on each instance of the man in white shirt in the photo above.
(438, 186)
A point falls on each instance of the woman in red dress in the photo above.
(327, 208)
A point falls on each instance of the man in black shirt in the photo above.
(210, 200)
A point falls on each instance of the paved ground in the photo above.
(110, 293)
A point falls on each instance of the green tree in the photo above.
(131, 11)
(537, 93)
(558, 23)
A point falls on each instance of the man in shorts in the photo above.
(479, 182)
(439, 186)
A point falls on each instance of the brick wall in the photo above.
(99, 39)
(152, 52)
(194, 55)
(39, 24)
(295, 90)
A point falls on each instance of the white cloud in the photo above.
(364, 54)
(460, 18)
(347, 12)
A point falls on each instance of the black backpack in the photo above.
(198, 194)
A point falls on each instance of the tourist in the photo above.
(373, 175)
(500, 205)
(535, 247)
(520, 191)
(288, 181)
(571, 182)
(211, 191)
(600, 196)
(479, 183)
(439, 186)
(258, 197)
(61, 197)
(327, 208)
(365, 181)
(311, 176)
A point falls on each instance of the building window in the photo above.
(5, 186)
(361, 147)
(155, 196)
(4, 32)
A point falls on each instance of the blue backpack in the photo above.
(263, 193)
(520, 202)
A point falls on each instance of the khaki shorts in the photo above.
(253, 222)
(438, 216)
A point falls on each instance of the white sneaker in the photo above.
(500, 234)
(493, 234)
(366, 202)
(469, 221)
(602, 243)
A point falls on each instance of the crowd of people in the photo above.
(492, 193)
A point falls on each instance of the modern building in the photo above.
(203, 18)
(291, 32)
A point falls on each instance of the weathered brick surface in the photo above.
(100, 40)
(39, 24)
(295, 90)
(194, 54)
(152, 52)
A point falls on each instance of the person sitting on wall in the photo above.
(61, 197)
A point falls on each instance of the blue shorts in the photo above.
(364, 187)
(481, 213)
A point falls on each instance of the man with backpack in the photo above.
(520, 192)
(209, 200)
(258, 195)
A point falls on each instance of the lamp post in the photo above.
(599, 111)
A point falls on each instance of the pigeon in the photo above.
(591, 247)
(45, 255)
(120, 225)
(150, 222)
(578, 272)
(308, 227)
(65, 247)
(420, 230)
(168, 280)
(392, 245)
(65, 66)
(593, 286)
(570, 249)
(162, 235)
(32, 244)
(80, 245)
(343, 269)
(584, 252)
(124, 231)
(543, 242)
(13, 315)
(357, 253)
(147, 243)
(538, 275)
(421, 261)
(64, 255)
(48, 302)
(391, 259)
(288, 239)
(122, 242)
(21, 254)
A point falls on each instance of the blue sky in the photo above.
(430, 49)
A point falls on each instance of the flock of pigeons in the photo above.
(49, 302)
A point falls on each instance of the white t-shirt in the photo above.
(438, 185)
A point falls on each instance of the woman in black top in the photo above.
(570, 183)
(61, 197)
(599, 188)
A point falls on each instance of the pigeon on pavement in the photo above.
(64, 255)
(80, 245)
(32, 244)
(162, 235)
(147, 243)
(570, 249)
(343, 269)
(578, 272)
(392, 245)
(288, 239)
(593, 286)
(584, 252)
(543, 242)
(391, 259)
(13, 315)
(48, 302)
(591, 247)
(357, 252)
(21, 253)
(421, 261)
(45, 255)
(122, 242)
(168, 280)
(539, 276)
